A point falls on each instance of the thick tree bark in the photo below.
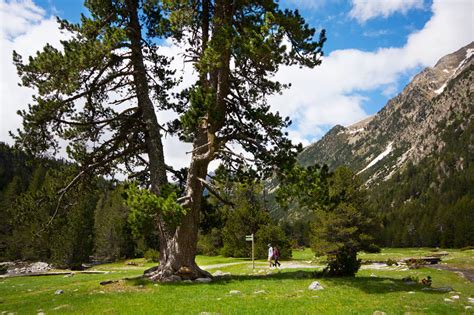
(154, 145)
(178, 246)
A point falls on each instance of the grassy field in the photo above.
(262, 291)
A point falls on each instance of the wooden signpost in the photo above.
(250, 238)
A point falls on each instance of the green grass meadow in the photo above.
(262, 291)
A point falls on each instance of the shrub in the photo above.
(343, 262)
(152, 255)
(426, 281)
(210, 244)
(372, 249)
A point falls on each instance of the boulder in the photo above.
(151, 270)
(203, 280)
(315, 285)
(184, 270)
(440, 289)
(219, 273)
(39, 267)
(172, 278)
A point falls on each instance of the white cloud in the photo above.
(24, 28)
(331, 93)
(363, 10)
(327, 95)
(28, 30)
(16, 17)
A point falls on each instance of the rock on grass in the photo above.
(315, 285)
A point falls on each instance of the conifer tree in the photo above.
(112, 61)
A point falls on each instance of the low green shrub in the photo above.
(152, 255)
(3, 269)
(210, 244)
(343, 262)
(372, 249)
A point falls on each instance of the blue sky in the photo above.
(374, 48)
(343, 32)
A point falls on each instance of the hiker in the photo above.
(270, 254)
(276, 256)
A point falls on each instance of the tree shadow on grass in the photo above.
(371, 285)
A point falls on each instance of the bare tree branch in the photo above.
(212, 189)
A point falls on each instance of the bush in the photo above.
(210, 244)
(372, 249)
(343, 262)
(271, 234)
(152, 255)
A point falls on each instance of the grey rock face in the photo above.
(407, 128)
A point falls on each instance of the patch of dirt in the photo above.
(123, 286)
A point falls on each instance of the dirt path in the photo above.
(222, 265)
(284, 265)
(465, 273)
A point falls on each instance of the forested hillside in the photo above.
(416, 157)
(38, 222)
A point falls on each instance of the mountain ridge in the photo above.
(406, 128)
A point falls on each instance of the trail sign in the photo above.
(250, 238)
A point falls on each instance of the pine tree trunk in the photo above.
(178, 245)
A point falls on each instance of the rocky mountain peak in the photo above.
(434, 79)
(408, 128)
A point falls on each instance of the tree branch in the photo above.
(212, 189)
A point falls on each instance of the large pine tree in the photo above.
(112, 60)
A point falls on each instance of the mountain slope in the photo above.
(409, 127)
(416, 157)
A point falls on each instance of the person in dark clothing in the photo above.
(276, 257)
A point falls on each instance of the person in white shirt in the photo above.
(270, 254)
